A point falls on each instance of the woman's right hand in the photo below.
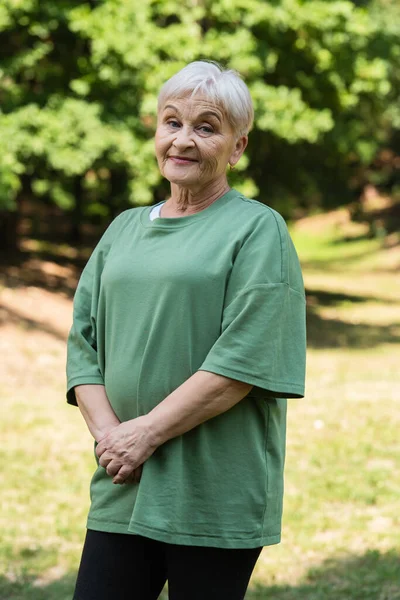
(136, 474)
(125, 448)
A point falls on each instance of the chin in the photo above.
(179, 180)
(184, 183)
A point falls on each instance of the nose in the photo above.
(184, 138)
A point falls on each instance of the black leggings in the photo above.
(117, 566)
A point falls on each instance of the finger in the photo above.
(100, 448)
(113, 467)
(105, 460)
(124, 472)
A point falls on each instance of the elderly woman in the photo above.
(188, 336)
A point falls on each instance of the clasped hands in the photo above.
(124, 449)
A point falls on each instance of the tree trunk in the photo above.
(9, 231)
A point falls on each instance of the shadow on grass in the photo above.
(372, 576)
(325, 298)
(44, 271)
(26, 588)
(324, 332)
(335, 263)
(334, 333)
(8, 316)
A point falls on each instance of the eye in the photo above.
(206, 129)
(172, 123)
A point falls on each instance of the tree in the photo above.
(79, 86)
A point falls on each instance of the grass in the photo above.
(342, 505)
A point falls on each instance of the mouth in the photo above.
(182, 160)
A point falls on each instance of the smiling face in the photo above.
(195, 142)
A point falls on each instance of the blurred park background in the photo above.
(78, 88)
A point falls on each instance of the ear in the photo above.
(240, 147)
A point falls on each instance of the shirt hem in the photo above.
(187, 539)
(183, 539)
(108, 527)
(274, 388)
(82, 380)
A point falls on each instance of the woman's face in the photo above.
(194, 142)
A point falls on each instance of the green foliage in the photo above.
(78, 88)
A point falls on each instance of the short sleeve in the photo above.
(82, 359)
(263, 334)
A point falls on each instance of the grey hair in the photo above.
(224, 87)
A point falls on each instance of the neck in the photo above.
(184, 201)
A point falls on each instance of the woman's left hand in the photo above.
(125, 448)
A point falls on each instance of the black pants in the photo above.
(116, 566)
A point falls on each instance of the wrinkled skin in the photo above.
(198, 130)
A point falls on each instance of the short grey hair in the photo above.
(224, 87)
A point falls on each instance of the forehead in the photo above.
(194, 106)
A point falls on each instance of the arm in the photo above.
(96, 409)
(83, 366)
(203, 396)
(100, 418)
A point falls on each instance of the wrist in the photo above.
(104, 430)
(153, 430)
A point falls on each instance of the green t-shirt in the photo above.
(219, 291)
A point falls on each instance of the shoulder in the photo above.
(265, 229)
(118, 224)
(116, 228)
(259, 218)
(126, 216)
(256, 209)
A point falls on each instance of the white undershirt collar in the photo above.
(155, 211)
